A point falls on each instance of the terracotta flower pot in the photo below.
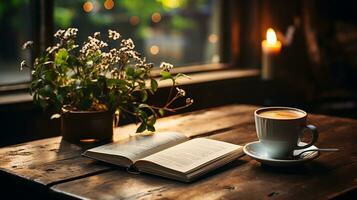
(84, 125)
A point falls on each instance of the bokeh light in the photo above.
(213, 38)
(134, 20)
(154, 49)
(156, 17)
(108, 4)
(88, 6)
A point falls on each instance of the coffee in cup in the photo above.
(281, 114)
(279, 130)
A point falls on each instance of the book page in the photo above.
(190, 155)
(137, 147)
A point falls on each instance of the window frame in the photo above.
(41, 34)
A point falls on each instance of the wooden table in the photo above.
(54, 168)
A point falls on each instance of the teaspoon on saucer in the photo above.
(318, 149)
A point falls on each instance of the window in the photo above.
(182, 32)
(16, 22)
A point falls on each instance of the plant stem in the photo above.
(172, 100)
(171, 90)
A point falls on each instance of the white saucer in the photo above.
(256, 151)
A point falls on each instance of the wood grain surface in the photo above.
(59, 166)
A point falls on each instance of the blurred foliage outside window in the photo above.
(183, 32)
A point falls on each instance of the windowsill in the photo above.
(195, 68)
(210, 76)
(14, 98)
(213, 76)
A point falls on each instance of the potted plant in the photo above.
(90, 85)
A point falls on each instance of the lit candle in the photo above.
(270, 51)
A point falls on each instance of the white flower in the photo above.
(93, 45)
(89, 63)
(59, 33)
(69, 33)
(96, 34)
(189, 101)
(113, 34)
(113, 51)
(115, 73)
(52, 49)
(181, 92)
(166, 66)
(27, 45)
(73, 31)
(23, 64)
(128, 43)
(102, 44)
(55, 116)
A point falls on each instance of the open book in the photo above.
(168, 154)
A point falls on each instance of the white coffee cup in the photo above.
(279, 130)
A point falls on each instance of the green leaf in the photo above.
(154, 85)
(143, 115)
(161, 112)
(165, 75)
(42, 103)
(182, 75)
(116, 82)
(46, 91)
(151, 120)
(143, 105)
(61, 57)
(59, 98)
(72, 62)
(150, 128)
(85, 103)
(139, 73)
(49, 75)
(144, 96)
(130, 71)
(141, 128)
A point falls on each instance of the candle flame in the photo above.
(271, 36)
